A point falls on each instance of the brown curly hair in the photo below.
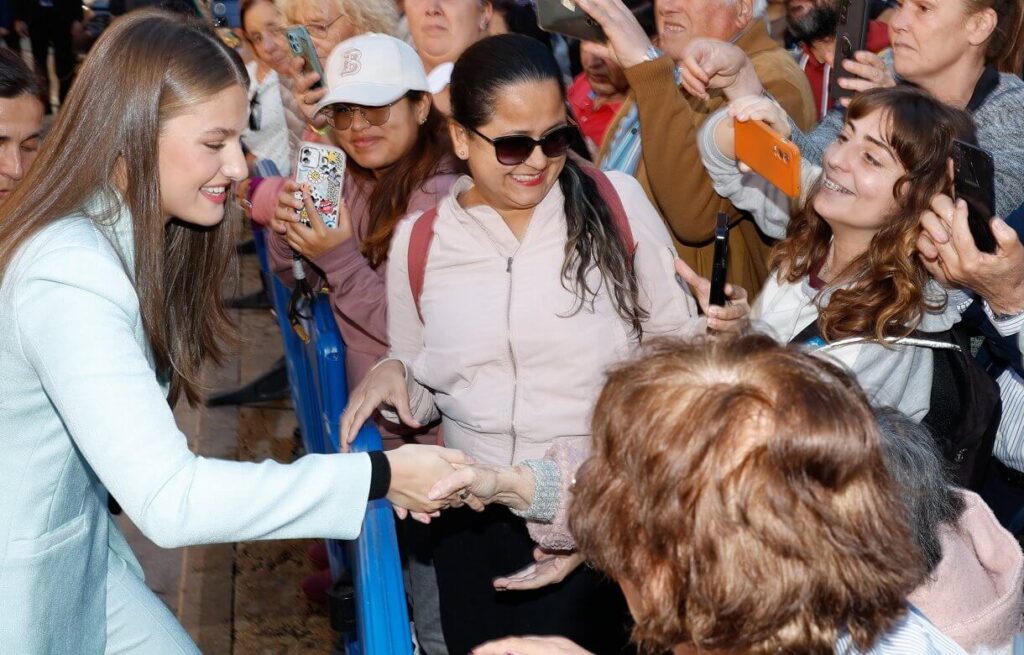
(738, 487)
(884, 289)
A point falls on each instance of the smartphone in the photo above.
(564, 17)
(769, 154)
(720, 262)
(322, 169)
(302, 45)
(974, 181)
(227, 13)
(851, 35)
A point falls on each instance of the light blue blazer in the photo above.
(81, 412)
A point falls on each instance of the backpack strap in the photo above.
(423, 233)
(419, 248)
(607, 191)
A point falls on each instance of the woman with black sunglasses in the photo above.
(535, 275)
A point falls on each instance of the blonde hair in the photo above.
(379, 16)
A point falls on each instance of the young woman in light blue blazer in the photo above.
(112, 254)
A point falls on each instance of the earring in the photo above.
(462, 154)
(423, 120)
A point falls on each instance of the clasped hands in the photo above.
(428, 479)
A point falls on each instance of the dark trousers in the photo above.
(474, 548)
(48, 27)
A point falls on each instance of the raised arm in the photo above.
(669, 124)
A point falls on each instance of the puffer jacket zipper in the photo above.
(512, 359)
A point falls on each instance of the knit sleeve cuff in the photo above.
(709, 147)
(547, 491)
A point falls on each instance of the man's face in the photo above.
(21, 121)
(602, 69)
(811, 20)
(681, 21)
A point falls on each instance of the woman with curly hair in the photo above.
(847, 279)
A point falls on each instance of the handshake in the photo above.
(428, 479)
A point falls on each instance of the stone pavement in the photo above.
(240, 599)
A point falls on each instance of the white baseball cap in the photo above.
(372, 70)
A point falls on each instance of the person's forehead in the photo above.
(23, 114)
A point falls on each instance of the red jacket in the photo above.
(819, 73)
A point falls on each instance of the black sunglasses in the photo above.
(514, 149)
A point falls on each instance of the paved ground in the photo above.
(240, 599)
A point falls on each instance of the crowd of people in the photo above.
(586, 454)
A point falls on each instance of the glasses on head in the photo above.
(340, 117)
(320, 30)
(514, 149)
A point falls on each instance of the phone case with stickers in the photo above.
(322, 170)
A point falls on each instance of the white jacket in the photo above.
(894, 376)
(81, 412)
(500, 353)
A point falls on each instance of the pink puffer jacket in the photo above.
(500, 353)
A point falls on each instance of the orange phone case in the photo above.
(771, 156)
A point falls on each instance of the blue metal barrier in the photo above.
(319, 389)
(382, 618)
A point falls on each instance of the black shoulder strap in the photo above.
(808, 334)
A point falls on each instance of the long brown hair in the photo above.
(884, 288)
(744, 517)
(389, 200)
(1005, 48)
(147, 68)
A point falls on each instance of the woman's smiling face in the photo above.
(201, 156)
(859, 177)
(531, 108)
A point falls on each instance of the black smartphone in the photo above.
(302, 45)
(564, 17)
(720, 263)
(851, 35)
(974, 182)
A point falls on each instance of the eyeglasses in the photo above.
(340, 117)
(514, 149)
(319, 30)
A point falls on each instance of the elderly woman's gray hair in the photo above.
(924, 479)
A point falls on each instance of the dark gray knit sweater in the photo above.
(1000, 126)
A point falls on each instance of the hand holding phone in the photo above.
(974, 183)
(321, 169)
(851, 36)
(302, 45)
(770, 155)
(565, 17)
